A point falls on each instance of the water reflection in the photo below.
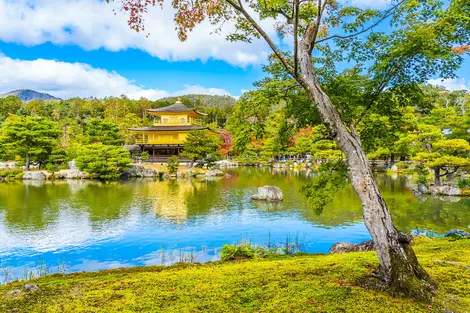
(94, 225)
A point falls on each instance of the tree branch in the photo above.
(321, 8)
(263, 34)
(387, 14)
(296, 39)
(449, 172)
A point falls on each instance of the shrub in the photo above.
(11, 173)
(172, 164)
(423, 173)
(463, 183)
(105, 162)
(210, 161)
(241, 251)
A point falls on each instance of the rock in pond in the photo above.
(446, 191)
(140, 171)
(343, 247)
(34, 176)
(457, 232)
(70, 174)
(268, 193)
(214, 173)
(422, 188)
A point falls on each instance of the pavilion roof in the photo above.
(169, 128)
(178, 107)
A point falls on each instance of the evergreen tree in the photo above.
(30, 137)
(199, 144)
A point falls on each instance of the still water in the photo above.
(89, 226)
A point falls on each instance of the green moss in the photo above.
(313, 283)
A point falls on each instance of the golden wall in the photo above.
(162, 138)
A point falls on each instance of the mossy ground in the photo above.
(303, 283)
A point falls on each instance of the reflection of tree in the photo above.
(30, 206)
(104, 201)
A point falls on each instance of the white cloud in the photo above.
(67, 80)
(92, 24)
(451, 84)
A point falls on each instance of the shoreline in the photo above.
(292, 283)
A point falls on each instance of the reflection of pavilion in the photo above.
(171, 198)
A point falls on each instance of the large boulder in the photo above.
(214, 173)
(34, 176)
(70, 174)
(268, 193)
(422, 188)
(343, 247)
(139, 171)
(447, 190)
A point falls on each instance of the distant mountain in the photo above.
(205, 100)
(28, 95)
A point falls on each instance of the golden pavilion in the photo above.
(171, 125)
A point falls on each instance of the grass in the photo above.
(289, 283)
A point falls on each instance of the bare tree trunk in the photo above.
(437, 176)
(28, 162)
(399, 266)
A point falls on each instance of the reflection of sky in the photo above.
(142, 241)
(147, 231)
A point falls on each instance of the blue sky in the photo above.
(80, 48)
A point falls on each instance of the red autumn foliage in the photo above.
(462, 49)
(227, 142)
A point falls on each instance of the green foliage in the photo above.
(104, 162)
(57, 160)
(293, 283)
(210, 160)
(9, 105)
(103, 131)
(422, 172)
(33, 137)
(331, 177)
(11, 173)
(463, 183)
(241, 251)
(199, 144)
(172, 164)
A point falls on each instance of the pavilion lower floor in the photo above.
(160, 153)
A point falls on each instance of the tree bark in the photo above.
(392, 160)
(28, 162)
(437, 176)
(399, 266)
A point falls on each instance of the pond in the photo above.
(88, 226)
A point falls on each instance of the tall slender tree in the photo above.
(424, 38)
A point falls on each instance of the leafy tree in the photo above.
(172, 164)
(448, 155)
(103, 161)
(331, 177)
(105, 132)
(227, 143)
(199, 144)
(57, 160)
(9, 105)
(31, 137)
(424, 38)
